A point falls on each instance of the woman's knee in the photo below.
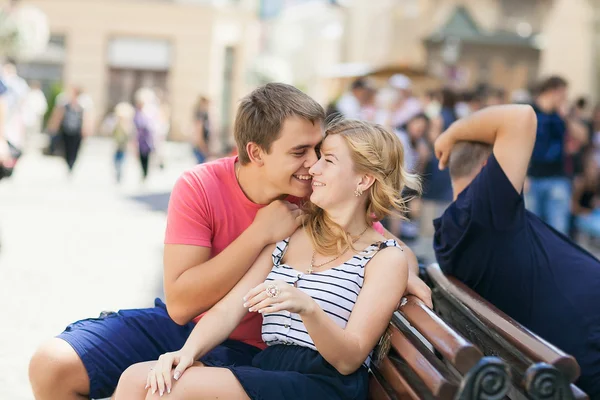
(132, 382)
(55, 366)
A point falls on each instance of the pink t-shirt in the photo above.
(208, 208)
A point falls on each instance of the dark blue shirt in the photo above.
(489, 241)
(548, 158)
(437, 185)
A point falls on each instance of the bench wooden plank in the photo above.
(377, 391)
(431, 376)
(452, 346)
(396, 380)
(531, 345)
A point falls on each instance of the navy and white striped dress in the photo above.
(335, 290)
(290, 367)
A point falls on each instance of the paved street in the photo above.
(71, 248)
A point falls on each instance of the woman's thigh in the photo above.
(197, 383)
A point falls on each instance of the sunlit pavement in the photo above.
(73, 247)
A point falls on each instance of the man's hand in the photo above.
(443, 147)
(277, 221)
(417, 287)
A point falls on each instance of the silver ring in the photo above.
(272, 291)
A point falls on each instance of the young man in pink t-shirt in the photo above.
(221, 215)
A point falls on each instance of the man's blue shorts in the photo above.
(110, 344)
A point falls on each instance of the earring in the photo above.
(358, 192)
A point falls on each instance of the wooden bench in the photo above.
(422, 357)
(539, 370)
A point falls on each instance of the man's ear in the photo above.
(255, 153)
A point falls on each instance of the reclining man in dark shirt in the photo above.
(488, 240)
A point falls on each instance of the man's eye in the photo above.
(298, 154)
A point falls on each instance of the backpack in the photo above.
(72, 121)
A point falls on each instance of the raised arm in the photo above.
(511, 129)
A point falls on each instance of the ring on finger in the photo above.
(272, 291)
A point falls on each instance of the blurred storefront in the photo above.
(183, 48)
(506, 43)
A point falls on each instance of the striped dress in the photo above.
(335, 290)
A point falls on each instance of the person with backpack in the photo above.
(69, 121)
(145, 123)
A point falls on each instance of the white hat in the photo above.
(399, 81)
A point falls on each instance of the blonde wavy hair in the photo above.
(379, 153)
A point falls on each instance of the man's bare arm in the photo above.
(194, 282)
(511, 129)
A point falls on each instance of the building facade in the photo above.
(184, 48)
(507, 43)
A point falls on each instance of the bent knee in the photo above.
(132, 382)
(54, 363)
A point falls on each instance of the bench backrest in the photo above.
(533, 361)
(426, 359)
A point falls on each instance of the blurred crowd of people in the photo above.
(22, 109)
(563, 183)
(142, 128)
(563, 179)
(139, 128)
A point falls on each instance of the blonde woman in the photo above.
(326, 294)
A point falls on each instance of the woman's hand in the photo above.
(159, 377)
(273, 296)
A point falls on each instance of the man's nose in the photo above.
(311, 159)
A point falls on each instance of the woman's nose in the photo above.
(314, 170)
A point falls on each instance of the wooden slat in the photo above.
(376, 390)
(396, 380)
(462, 354)
(433, 379)
(524, 340)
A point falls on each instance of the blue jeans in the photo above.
(550, 199)
(119, 159)
(589, 224)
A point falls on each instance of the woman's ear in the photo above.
(366, 181)
(255, 153)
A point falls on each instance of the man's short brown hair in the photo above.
(261, 115)
(552, 83)
(466, 157)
